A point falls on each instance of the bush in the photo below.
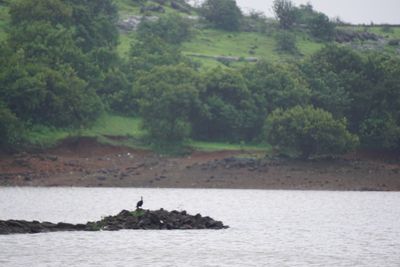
(321, 27)
(285, 12)
(286, 42)
(306, 131)
(10, 128)
(173, 29)
(167, 97)
(223, 14)
(380, 131)
(228, 111)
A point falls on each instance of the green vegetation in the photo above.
(106, 125)
(220, 146)
(307, 131)
(223, 14)
(226, 80)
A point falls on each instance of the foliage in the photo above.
(286, 42)
(345, 67)
(223, 14)
(308, 132)
(380, 131)
(321, 27)
(58, 52)
(327, 89)
(228, 111)
(173, 29)
(168, 96)
(150, 51)
(10, 128)
(276, 86)
(285, 12)
(365, 89)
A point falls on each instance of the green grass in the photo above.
(125, 40)
(107, 125)
(115, 125)
(212, 42)
(220, 146)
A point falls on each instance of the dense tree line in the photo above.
(59, 67)
(326, 104)
(56, 58)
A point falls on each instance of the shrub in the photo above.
(167, 96)
(223, 14)
(286, 42)
(173, 29)
(10, 128)
(307, 131)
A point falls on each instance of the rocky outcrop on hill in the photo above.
(139, 219)
(350, 36)
(132, 22)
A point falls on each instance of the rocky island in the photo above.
(139, 220)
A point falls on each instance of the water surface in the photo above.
(268, 228)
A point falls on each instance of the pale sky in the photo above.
(354, 11)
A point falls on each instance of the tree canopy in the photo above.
(223, 14)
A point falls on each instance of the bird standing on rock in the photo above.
(140, 203)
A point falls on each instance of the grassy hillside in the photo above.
(204, 42)
(243, 44)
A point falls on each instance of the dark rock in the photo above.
(139, 219)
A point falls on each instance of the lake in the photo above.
(267, 228)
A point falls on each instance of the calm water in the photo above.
(268, 228)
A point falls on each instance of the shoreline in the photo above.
(90, 164)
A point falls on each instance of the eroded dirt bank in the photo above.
(86, 163)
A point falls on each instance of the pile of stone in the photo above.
(350, 36)
(139, 219)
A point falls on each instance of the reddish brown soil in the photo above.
(84, 162)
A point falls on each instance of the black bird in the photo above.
(140, 203)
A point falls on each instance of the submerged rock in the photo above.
(138, 219)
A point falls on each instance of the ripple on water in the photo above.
(268, 228)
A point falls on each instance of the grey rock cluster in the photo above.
(350, 36)
(139, 219)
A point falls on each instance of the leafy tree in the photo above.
(380, 131)
(285, 12)
(150, 51)
(276, 86)
(348, 70)
(173, 29)
(116, 93)
(95, 23)
(327, 89)
(42, 95)
(223, 14)
(168, 97)
(24, 12)
(321, 27)
(307, 131)
(228, 111)
(381, 124)
(61, 52)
